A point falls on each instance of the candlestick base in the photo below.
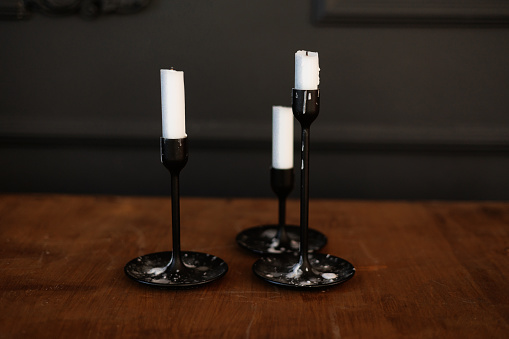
(154, 269)
(287, 270)
(265, 240)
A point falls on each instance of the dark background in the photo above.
(407, 111)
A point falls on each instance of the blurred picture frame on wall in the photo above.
(457, 12)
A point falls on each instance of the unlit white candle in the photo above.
(307, 70)
(282, 137)
(173, 104)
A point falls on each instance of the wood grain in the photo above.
(424, 269)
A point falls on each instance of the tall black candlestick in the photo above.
(307, 270)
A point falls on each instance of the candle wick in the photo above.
(307, 53)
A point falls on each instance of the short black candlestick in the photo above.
(175, 269)
(279, 238)
(305, 270)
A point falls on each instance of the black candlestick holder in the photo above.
(304, 270)
(280, 238)
(175, 269)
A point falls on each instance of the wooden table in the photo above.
(424, 269)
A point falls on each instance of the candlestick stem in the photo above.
(281, 230)
(304, 195)
(282, 211)
(176, 259)
(281, 181)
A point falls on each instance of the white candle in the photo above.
(307, 71)
(282, 137)
(173, 104)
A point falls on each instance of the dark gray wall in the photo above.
(408, 112)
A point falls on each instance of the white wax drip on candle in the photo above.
(307, 70)
(282, 137)
(173, 104)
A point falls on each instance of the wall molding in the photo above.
(257, 136)
(491, 12)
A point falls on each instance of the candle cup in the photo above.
(176, 268)
(279, 238)
(304, 270)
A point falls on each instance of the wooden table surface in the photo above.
(424, 269)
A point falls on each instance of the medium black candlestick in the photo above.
(279, 238)
(307, 269)
(175, 269)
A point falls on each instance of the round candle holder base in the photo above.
(265, 239)
(155, 269)
(321, 271)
